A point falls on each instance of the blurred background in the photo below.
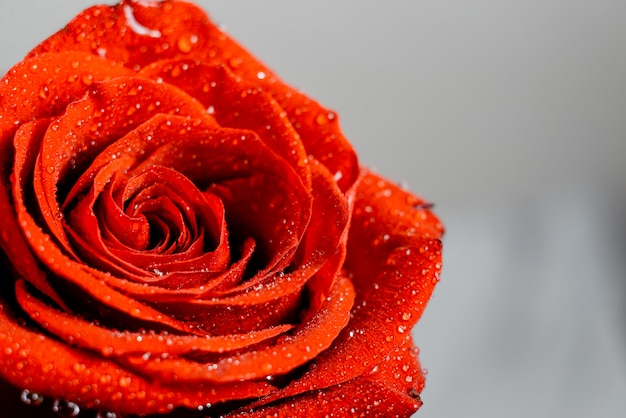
(511, 117)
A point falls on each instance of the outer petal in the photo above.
(38, 88)
(394, 260)
(137, 35)
(90, 380)
(390, 389)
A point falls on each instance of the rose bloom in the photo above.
(184, 234)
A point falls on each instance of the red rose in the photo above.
(183, 232)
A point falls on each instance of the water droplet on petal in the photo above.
(137, 27)
(103, 414)
(321, 119)
(125, 382)
(31, 398)
(176, 71)
(65, 409)
(184, 44)
(235, 62)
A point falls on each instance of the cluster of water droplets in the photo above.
(61, 407)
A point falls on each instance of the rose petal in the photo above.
(88, 125)
(51, 368)
(391, 388)
(207, 282)
(109, 343)
(396, 279)
(27, 141)
(136, 35)
(65, 267)
(309, 339)
(182, 24)
(236, 104)
(182, 196)
(29, 91)
(43, 85)
(265, 301)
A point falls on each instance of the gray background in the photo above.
(511, 117)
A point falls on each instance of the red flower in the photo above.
(183, 232)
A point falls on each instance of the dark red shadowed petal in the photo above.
(270, 299)
(327, 224)
(262, 195)
(174, 194)
(394, 260)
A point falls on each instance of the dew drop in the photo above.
(31, 398)
(176, 71)
(124, 382)
(103, 414)
(65, 409)
(184, 44)
(137, 27)
(235, 62)
(321, 119)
